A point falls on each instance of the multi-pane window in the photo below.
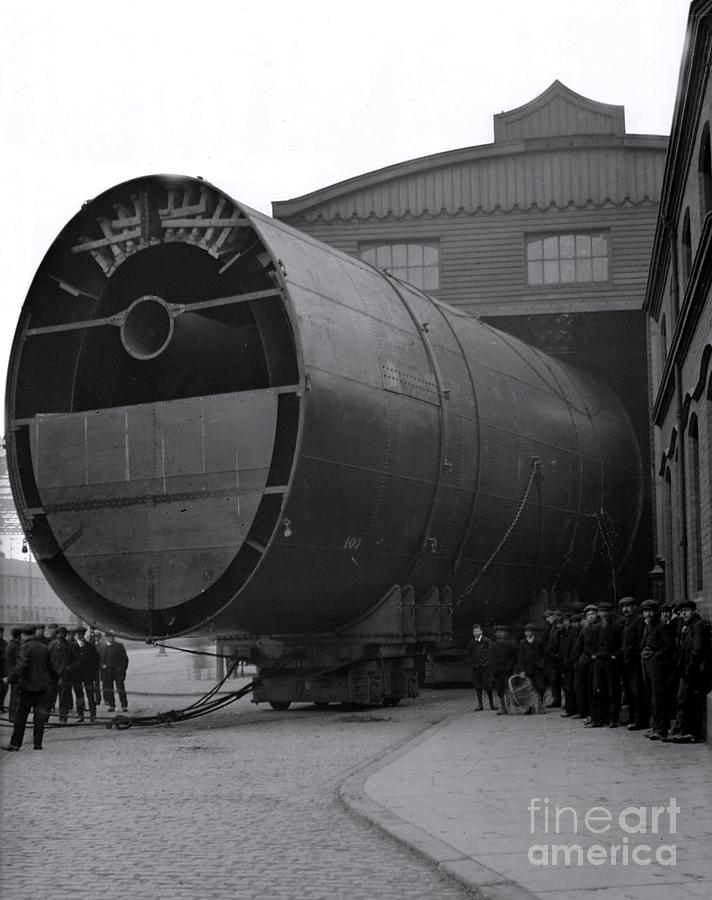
(567, 258)
(418, 263)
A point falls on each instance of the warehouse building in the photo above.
(545, 233)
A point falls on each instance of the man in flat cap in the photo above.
(583, 672)
(606, 669)
(33, 673)
(531, 661)
(631, 638)
(569, 639)
(59, 655)
(693, 667)
(657, 653)
(503, 659)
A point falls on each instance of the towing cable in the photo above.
(208, 703)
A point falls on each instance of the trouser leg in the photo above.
(121, 691)
(571, 706)
(91, 699)
(613, 689)
(581, 687)
(40, 716)
(79, 699)
(660, 687)
(108, 690)
(26, 702)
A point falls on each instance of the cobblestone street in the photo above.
(243, 803)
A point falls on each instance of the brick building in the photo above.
(679, 306)
(545, 233)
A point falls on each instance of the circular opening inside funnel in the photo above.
(147, 328)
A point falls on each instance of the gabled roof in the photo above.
(559, 111)
(560, 126)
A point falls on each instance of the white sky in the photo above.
(272, 100)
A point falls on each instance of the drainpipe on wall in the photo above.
(675, 297)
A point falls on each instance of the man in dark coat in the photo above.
(114, 663)
(59, 656)
(477, 657)
(33, 673)
(657, 653)
(606, 669)
(583, 669)
(11, 654)
(569, 639)
(631, 638)
(81, 672)
(503, 658)
(693, 669)
(3, 669)
(531, 661)
(553, 656)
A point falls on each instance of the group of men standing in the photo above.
(48, 666)
(654, 659)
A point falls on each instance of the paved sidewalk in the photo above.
(460, 794)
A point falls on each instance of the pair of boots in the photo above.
(479, 706)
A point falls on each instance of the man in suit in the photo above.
(114, 663)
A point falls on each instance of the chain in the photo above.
(536, 462)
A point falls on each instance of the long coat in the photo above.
(83, 664)
(693, 657)
(33, 670)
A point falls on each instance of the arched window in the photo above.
(695, 501)
(686, 248)
(705, 170)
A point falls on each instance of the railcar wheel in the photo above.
(391, 701)
(280, 705)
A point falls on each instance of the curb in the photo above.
(483, 882)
